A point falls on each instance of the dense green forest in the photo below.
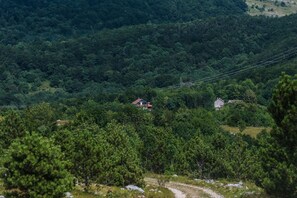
(121, 142)
(142, 56)
(51, 19)
(83, 62)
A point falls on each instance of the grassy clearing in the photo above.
(272, 7)
(252, 131)
(247, 189)
(45, 87)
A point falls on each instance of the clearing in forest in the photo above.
(252, 131)
(273, 8)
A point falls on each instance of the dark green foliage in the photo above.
(11, 127)
(35, 167)
(219, 156)
(107, 155)
(246, 114)
(278, 171)
(121, 166)
(158, 148)
(53, 19)
(241, 160)
(40, 117)
(188, 122)
(112, 143)
(279, 150)
(200, 157)
(284, 110)
(146, 56)
(84, 148)
(71, 54)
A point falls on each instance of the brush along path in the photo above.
(189, 191)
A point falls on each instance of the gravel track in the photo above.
(182, 190)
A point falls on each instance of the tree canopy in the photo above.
(279, 151)
(35, 167)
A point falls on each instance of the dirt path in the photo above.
(182, 190)
(177, 193)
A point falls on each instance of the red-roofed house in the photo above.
(141, 103)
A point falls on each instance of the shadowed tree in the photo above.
(279, 150)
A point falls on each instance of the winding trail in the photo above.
(182, 190)
(177, 193)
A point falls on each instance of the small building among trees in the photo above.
(219, 103)
(141, 103)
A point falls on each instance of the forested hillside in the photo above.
(69, 71)
(51, 19)
(144, 55)
(112, 143)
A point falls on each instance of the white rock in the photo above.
(249, 193)
(133, 187)
(209, 181)
(68, 195)
(239, 185)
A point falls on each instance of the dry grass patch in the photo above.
(252, 131)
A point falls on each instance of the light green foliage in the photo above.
(200, 156)
(106, 155)
(35, 167)
(122, 163)
(159, 148)
(85, 149)
(239, 156)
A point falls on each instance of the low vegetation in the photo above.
(227, 188)
(121, 142)
(272, 8)
(251, 131)
(100, 191)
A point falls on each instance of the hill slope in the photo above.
(144, 55)
(52, 19)
(272, 8)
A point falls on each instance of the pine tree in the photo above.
(279, 150)
(122, 164)
(34, 167)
